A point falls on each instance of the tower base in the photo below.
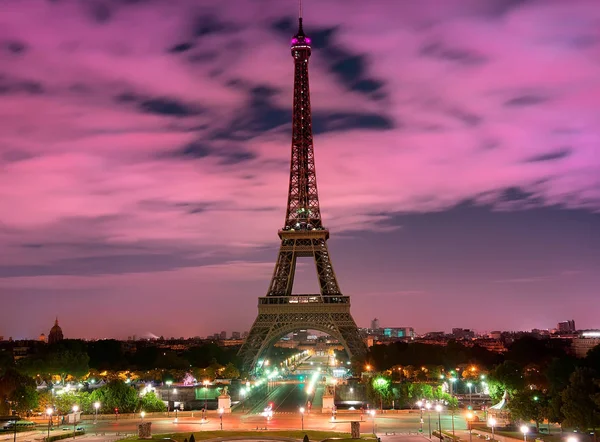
(280, 315)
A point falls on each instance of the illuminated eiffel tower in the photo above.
(280, 312)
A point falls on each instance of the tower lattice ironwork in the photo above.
(303, 235)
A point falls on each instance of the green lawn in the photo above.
(293, 434)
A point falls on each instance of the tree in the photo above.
(230, 372)
(529, 405)
(116, 394)
(510, 375)
(9, 382)
(25, 399)
(579, 408)
(192, 438)
(151, 402)
(381, 387)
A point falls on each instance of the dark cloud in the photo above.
(552, 156)
(99, 11)
(337, 121)
(181, 47)
(511, 194)
(168, 107)
(525, 100)
(227, 155)
(106, 264)
(16, 47)
(465, 57)
(467, 118)
(209, 24)
(8, 86)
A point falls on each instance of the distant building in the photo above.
(398, 332)
(375, 324)
(566, 326)
(56, 334)
(235, 335)
(585, 342)
(223, 335)
(497, 335)
(463, 333)
(42, 338)
(244, 335)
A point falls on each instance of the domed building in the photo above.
(56, 334)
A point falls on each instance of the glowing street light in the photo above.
(470, 417)
(205, 382)
(524, 429)
(49, 412)
(302, 416)
(492, 423)
(469, 384)
(221, 410)
(96, 407)
(420, 405)
(169, 383)
(142, 414)
(372, 413)
(75, 410)
(439, 409)
(572, 439)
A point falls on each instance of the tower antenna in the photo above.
(300, 9)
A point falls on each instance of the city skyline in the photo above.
(147, 154)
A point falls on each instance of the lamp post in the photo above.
(142, 414)
(168, 397)
(572, 439)
(302, 417)
(524, 429)
(49, 412)
(96, 406)
(428, 406)
(75, 410)
(470, 384)
(492, 423)
(373, 414)
(438, 408)
(221, 410)
(420, 405)
(470, 425)
(205, 382)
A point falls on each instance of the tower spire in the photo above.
(300, 30)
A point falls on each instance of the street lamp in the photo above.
(438, 408)
(142, 414)
(428, 406)
(420, 405)
(469, 384)
(302, 417)
(49, 412)
(75, 410)
(452, 381)
(373, 414)
(221, 410)
(492, 423)
(169, 397)
(470, 424)
(205, 382)
(571, 439)
(524, 429)
(96, 406)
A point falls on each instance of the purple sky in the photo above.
(144, 156)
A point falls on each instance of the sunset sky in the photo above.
(144, 160)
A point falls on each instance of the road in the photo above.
(390, 423)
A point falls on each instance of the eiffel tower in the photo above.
(303, 235)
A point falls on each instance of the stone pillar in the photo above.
(328, 403)
(355, 430)
(225, 403)
(145, 430)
